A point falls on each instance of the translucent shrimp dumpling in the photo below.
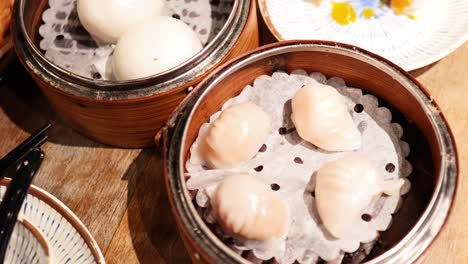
(344, 188)
(321, 117)
(236, 136)
(245, 206)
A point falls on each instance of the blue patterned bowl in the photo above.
(27, 245)
(53, 233)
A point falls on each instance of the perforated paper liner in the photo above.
(289, 162)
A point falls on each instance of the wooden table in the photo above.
(120, 196)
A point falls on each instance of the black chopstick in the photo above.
(15, 195)
(16, 155)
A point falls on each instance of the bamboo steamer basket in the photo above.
(434, 158)
(125, 113)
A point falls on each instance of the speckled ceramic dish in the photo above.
(410, 41)
(52, 231)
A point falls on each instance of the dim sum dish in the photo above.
(115, 70)
(339, 175)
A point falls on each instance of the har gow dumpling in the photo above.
(321, 117)
(344, 188)
(236, 136)
(247, 207)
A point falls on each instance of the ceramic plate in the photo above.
(411, 41)
(67, 238)
(27, 245)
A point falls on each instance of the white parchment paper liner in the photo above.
(291, 162)
(67, 44)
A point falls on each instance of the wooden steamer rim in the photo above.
(208, 247)
(102, 91)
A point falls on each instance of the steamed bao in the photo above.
(108, 20)
(245, 206)
(146, 42)
(155, 46)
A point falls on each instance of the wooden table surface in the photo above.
(119, 194)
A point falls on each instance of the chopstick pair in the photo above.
(29, 155)
(16, 155)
